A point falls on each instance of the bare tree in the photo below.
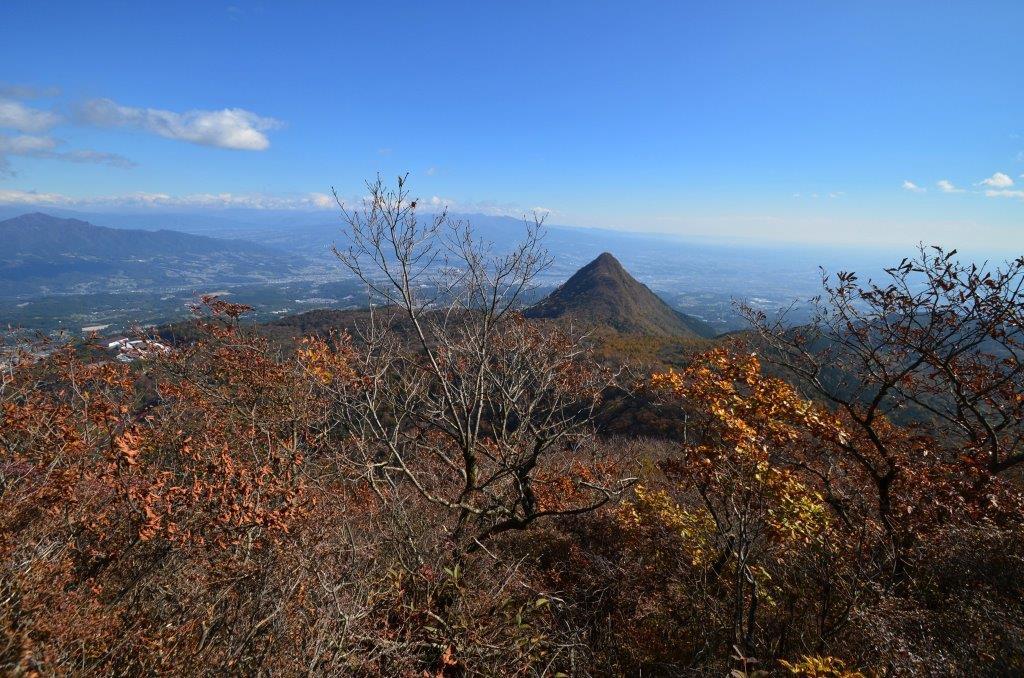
(937, 345)
(482, 413)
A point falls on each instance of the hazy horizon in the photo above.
(220, 220)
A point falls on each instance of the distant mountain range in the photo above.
(603, 293)
(283, 258)
(43, 254)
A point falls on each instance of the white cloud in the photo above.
(489, 208)
(304, 201)
(912, 187)
(1004, 193)
(242, 200)
(322, 200)
(431, 171)
(233, 128)
(17, 197)
(832, 195)
(26, 144)
(437, 203)
(946, 186)
(196, 200)
(101, 157)
(32, 146)
(16, 115)
(998, 180)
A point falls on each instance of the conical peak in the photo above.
(605, 259)
(604, 293)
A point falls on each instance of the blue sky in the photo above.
(787, 121)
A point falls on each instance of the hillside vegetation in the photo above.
(434, 497)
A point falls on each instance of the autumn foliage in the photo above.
(441, 503)
(807, 559)
(220, 510)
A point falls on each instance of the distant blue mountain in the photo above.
(42, 253)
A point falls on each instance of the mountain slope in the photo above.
(42, 254)
(604, 293)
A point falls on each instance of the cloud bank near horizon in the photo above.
(308, 201)
(312, 201)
